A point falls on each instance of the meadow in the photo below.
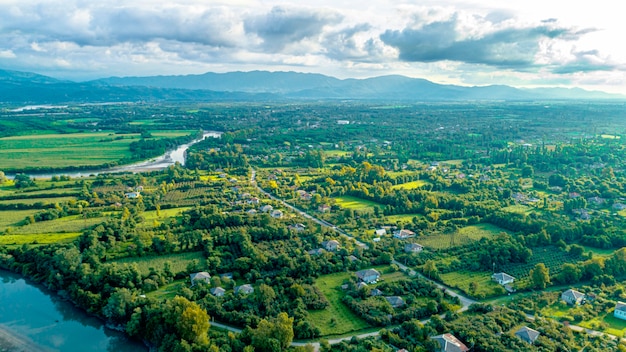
(39, 238)
(411, 185)
(354, 203)
(178, 261)
(462, 237)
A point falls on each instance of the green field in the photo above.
(31, 201)
(40, 238)
(74, 223)
(349, 202)
(178, 261)
(408, 218)
(68, 150)
(411, 185)
(518, 209)
(12, 218)
(463, 236)
(462, 279)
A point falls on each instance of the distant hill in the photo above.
(25, 87)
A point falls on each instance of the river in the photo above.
(159, 163)
(35, 320)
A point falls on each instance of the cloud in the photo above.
(7, 54)
(503, 45)
(282, 26)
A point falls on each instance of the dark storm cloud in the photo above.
(511, 47)
(283, 26)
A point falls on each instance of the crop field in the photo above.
(518, 209)
(43, 201)
(464, 236)
(74, 223)
(407, 218)
(63, 150)
(349, 202)
(411, 185)
(178, 262)
(551, 256)
(40, 238)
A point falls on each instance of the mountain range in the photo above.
(31, 88)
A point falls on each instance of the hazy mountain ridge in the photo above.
(25, 87)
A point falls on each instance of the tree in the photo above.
(570, 273)
(23, 181)
(273, 335)
(3, 178)
(540, 276)
(430, 269)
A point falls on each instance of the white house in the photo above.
(380, 232)
(527, 334)
(244, 289)
(620, 310)
(368, 275)
(331, 245)
(503, 278)
(449, 343)
(218, 291)
(413, 248)
(403, 234)
(276, 214)
(573, 297)
(200, 276)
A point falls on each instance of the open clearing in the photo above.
(350, 202)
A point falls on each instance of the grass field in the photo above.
(11, 218)
(402, 218)
(178, 261)
(411, 185)
(40, 238)
(64, 150)
(462, 279)
(31, 201)
(337, 318)
(74, 223)
(349, 202)
(518, 209)
(606, 323)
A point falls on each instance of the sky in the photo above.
(529, 43)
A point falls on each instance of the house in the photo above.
(413, 248)
(343, 122)
(395, 301)
(502, 278)
(352, 258)
(449, 343)
(132, 195)
(139, 188)
(376, 292)
(368, 275)
(297, 227)
(403, 234)
(527, 334)
(361, 285)
(276, 214)
(573, 297)
(380, 232)
(244, 289)
(200, 276)
(324, 208)
(267, 208)
(316, 251)
(218, 291)
(251, 211)
(331, 245)
(253, 200)
(620, 310)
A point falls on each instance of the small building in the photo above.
(218, 291)
(620, 310)
(376, 292)
(573, 297)
(317, 251)
(132, 195)
(503, 278)
(449, 343)
(253, 200)
(413, 248)
(403, 234)
(244, 289)
(267, 208)
(343, 122)
(395, 301)
(527, 334)
(276, 214)
(324, 208)
(352, 259)
(331, 246)
(361, 285)
(369, 276)
(297, 227)
(200, 276)
(380, 232)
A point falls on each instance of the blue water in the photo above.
(35, 316)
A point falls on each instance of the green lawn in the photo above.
(606, 323)
(11, 218)
(349, 202)
(478, 231)
(519, 209)
(74, 223)
(31, 201)
(402, 218)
